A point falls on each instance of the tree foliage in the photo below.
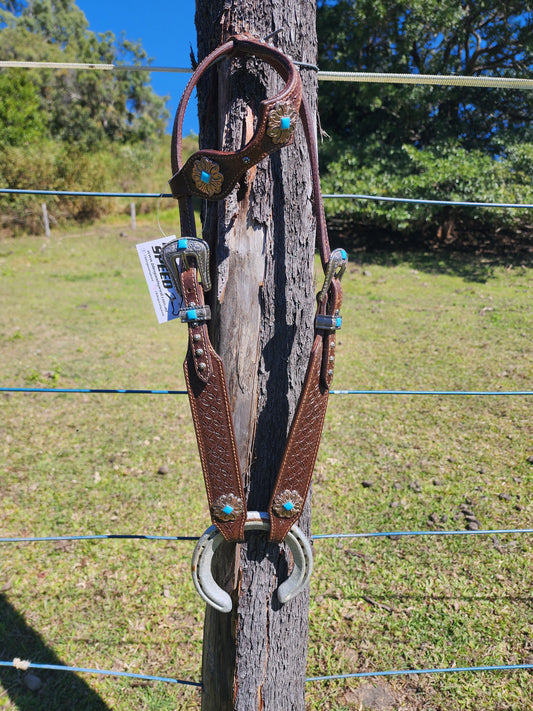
(20, 117)
(493, 37)
(87, 108)
(70, 129)
(424, 141)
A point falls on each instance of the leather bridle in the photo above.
(213, 174)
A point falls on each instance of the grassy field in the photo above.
(76, 313)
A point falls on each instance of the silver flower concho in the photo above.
(281, 122)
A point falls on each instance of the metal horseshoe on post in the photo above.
(208, 543)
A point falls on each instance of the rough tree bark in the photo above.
(262, 239)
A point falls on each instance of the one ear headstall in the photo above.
(213, 174)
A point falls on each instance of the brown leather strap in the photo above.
(213, 174)
(294, 477)
(213, 423)
(296, 470)
(220, 170)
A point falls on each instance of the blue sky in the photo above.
(166, 31)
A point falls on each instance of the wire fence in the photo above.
(323, 75)
(327, 196)
(24, 665)
(499, 82)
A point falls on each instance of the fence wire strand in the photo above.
(323, 75)
(427, 201)
(17, 664)
(24, 665)
(126, 391)
(334, 196)
(314, 537)
(359, 77)
(407, 672)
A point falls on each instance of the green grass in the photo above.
(76, 313)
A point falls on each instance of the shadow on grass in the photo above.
(59, 691)
(472, 258)
(453, 264)
(378, 599)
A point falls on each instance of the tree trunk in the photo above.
(262, 239)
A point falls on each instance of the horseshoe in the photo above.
(208, 543)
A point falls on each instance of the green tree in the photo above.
(20, 117)
(58, 21)
(69, 129)
(417, 141)
(82, 107)
(493, 37)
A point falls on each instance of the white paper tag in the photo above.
(166, 300)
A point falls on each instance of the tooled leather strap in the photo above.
(301, 449)
(296, 470)
(213, 174)
(213, 423)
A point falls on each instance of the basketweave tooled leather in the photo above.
(301, 449)
(216, 440)
(204, 372)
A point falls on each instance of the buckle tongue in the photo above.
(335, 269)
(183, 249)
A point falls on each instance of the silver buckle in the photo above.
(183, 249)
(336, 266)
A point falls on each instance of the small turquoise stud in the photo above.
(205, 177)
(338, 322)
(285, 122)
(227, 509)
(288, 506)
(182, 244)
(343, 254)
(192, 315)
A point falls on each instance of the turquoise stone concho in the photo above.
(207, 176)
(227, 508)
(281, 122)
(287, 504)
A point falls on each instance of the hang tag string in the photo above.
(158, 210)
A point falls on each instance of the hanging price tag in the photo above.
(166, 300)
